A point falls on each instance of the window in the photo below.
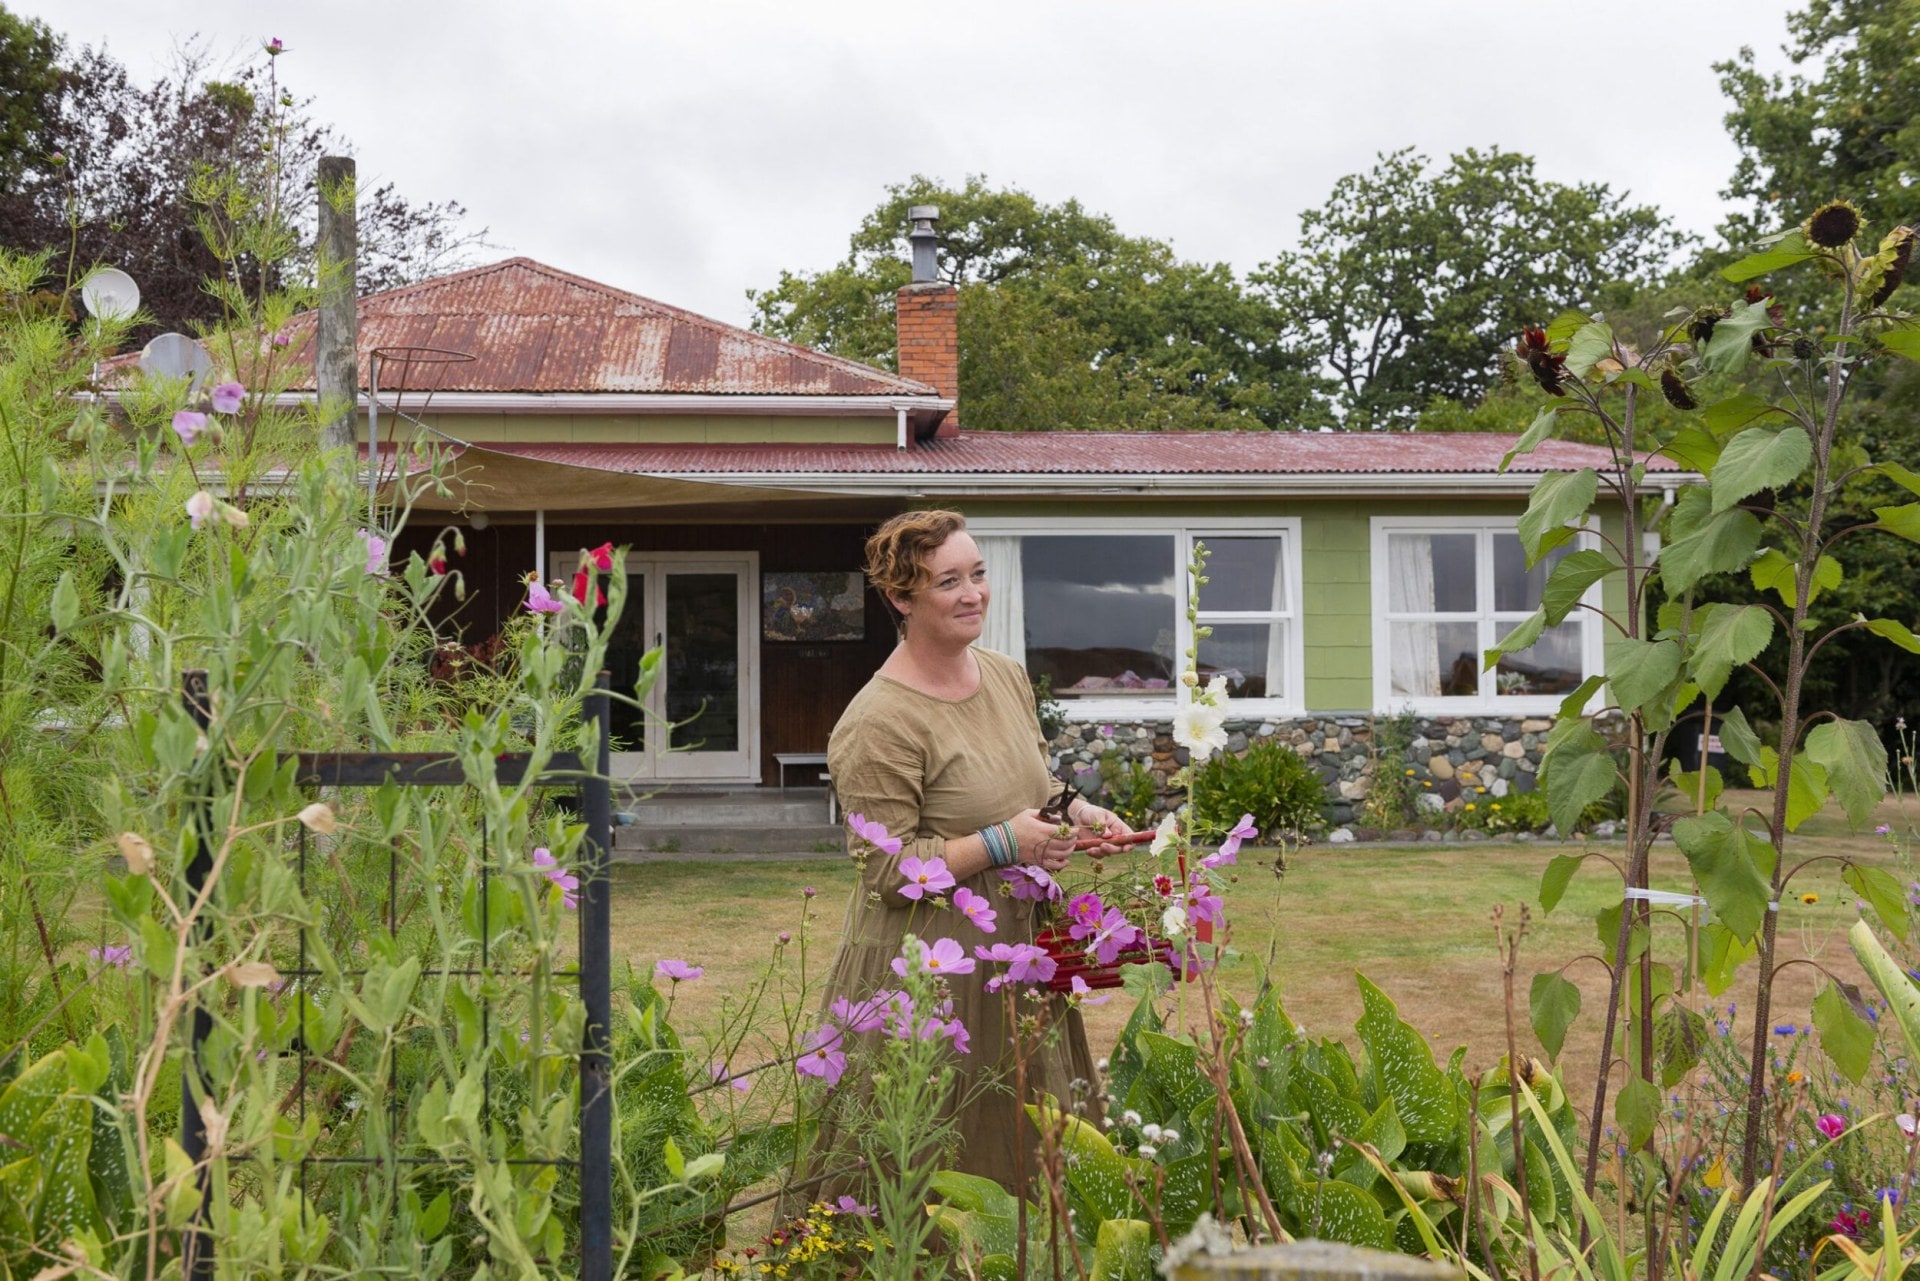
(1100, 610)
(1445, 592)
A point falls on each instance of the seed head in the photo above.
(1833, 225)
(1675, 389)
(1549, 368)
(1806, 349)
(1900, 239)
(1700, 324)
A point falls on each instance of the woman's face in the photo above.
(952, 607)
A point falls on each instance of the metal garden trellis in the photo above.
(593, 971)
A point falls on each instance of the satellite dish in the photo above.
(110, 294)
(177, 356)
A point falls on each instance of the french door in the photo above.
(701, 719)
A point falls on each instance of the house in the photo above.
(1350, 574)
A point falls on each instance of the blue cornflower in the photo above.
(1784, 1029)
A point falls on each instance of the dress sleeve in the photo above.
(879, 771)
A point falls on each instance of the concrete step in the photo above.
(773, 808)
(647, 841)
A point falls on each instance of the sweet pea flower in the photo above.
(823, 1056)
(539, 600)
(847, 1205)
(119, 956)
(376, 552)
(1031, 883)
(677, 970)
(923, 878)
(1163, 886)
(943, 956)
(199, 507)
(228, 397)
(1230, 848)
(1908, 1125)
(602, 557)
(1083, 995)
(188, 425)
(1831, 1125)
(549, 867)
(874, 834)
(977, 908)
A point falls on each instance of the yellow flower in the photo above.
(1794, 1078)
(1411, 772)
(1481, 790)
(1809, 899)
(1469, 804)
(1494, 806)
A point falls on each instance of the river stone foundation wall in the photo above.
(1451, 758)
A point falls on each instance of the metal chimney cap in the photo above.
(923, 213)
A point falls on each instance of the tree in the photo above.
(1852, 125)
(1413, 283)
(1065, 322)
(29, 83)
(107, 171)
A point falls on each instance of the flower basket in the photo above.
(1072, 961)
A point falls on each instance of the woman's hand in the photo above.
(1041, 844)
(1103, 822)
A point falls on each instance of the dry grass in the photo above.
(1416, 920)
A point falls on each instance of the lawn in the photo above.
(1416, 920)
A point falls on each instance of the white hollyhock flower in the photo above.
(1216, 690)
(1173, 921)
(1166, 835)
(1199, 727)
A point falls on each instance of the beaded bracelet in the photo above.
(1013, 841)
(995, 839)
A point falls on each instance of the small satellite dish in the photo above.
(177, 356)
(110, 294)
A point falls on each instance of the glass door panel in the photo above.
(703, 661)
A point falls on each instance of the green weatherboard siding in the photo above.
(1335, 554)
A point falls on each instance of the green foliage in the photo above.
(1128, 788)
(1391, 796)
(1269, 781)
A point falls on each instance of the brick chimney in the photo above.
(926, 315)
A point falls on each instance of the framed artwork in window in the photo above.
(810, 606)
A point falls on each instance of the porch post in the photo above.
(540, 544)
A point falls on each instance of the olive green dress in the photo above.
(932, 769)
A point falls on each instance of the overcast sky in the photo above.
(690, 151)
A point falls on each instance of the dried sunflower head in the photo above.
(1675, 389)
(1900, 239)
(1805, 348)
(1548, 368)
(1700, 324)
(1833, 225)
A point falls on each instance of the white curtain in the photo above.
(1414, 647)
(1278, 677)
(1006, 627)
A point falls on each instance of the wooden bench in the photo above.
(785, 759)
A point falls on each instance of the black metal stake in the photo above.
(596, 995)
(197, 1242)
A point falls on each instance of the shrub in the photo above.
(1392, 796)
(1128, 788)
(1270, 782)
(1514, 812)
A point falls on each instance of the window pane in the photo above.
(1244, 574)
(1549, 666)
(1432, 660)
(1515, 587)
(1247, 654)
(1100, 611)
(1431, 573)
(703, 661)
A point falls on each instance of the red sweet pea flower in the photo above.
(580, 589)
(602, 556)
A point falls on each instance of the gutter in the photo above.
(1229, 484)
(499, 402)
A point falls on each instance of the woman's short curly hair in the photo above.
(898, 550)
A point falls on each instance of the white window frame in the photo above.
(1291, 701)
(1492, 629)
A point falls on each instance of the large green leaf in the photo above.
(1890, 976)
(1530, 439)
(1902, 342)
(1576, 572)
(1772, 572)
(1638, 671)
(1856, 764)
(1844, 1035)
(1521, 637)
(1904, 521)
(1724, 417)
(1637, 1110)
(1880, 891)
(1403, 1070)
(1722, 857)
(1120, 1251)
(1554, 1004)
(1806, 790)
(1097, 1174)
(1789, 249)
(1694, 448)
(1905, 477)
(1722, 953)
(1679, 1034)
(1759, 458)
(1558, 497)
(1576, 770)
(1701, 541)
(1553, 881)
(1738, 737)
(1590, 344)
(1728, 636)
(1899, 633)
(1345, 1213)
(1732, 342)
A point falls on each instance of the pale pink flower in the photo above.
(119, 956)
(539, 600)
(847, 1205)
(943, 956)
(824, 1056)
(677, 970)
(376, 551)
(281, 339)
(1230, 848)
(874, 834)
(977, 908)
(188, 425)
(1084, 994)
(867, 1016)
(228, 397)
(923, 878)
(1032, 883)
(549, 867)
(199, 507)
(1831, 1125)
(722, 1075)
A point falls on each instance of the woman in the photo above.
(940, 746)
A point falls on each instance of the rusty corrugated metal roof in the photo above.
(1278, 453)
(533, 328)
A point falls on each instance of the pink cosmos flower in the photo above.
(943, 956)
(549, 867)
(977, 908)
(1883, 829)
(1032, 883)
(1084, 994)
(117, 955)
(874, 834)
(1230, 848)
(281, 339)
(1830, 1125)
(1025, 962)
(956, 1031)
(847, 1205)
(376, 552)
(823, 1056)
(188, 425)
(199, 507)
(228, 397)
(867, 1016)
(1202, 903)
(722, 1075)
(923, 878)
(1115, 935)
(1083, 912)
(539, 600)
(676, 970)
(274, 48)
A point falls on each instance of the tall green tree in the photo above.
(29, 85)
(1849, 122)
(1065, 321)
(1412, 281)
